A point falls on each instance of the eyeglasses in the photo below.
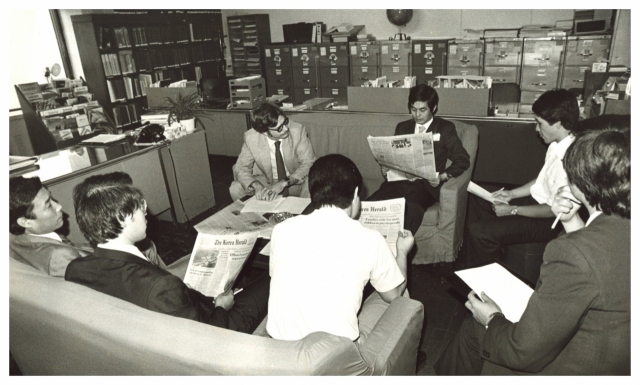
(281, 127)
(144, 206)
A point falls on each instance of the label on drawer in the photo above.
(304, 49)
(333, 49)
(364, 47)
(334, 71)
(323, 51)
(354, 50)
(416, 48)
(365, 69)
(587, 43)
(428, 47)
(276, 51)
(396, 69)
(280, 91)
(294, 52)
(279, 72)
(453, 49)
(428, 70)
(334, 91)
(305, 71)
(489, 48)
(396, 47)
(307, 91)
(385, 49)
(267, 52)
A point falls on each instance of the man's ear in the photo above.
(24, 222)
(435, 109)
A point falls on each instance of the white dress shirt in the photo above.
(52, 235)
(552, 176)
(124, 248)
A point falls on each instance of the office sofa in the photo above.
(440, 236)
(62, 328)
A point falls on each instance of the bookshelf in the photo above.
(248, 34)
(122, 54)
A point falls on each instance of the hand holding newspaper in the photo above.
(217, 259)
(412, 154)
(387, 217)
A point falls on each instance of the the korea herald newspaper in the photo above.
(412, 154)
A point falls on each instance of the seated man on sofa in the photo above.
(526, 215)
(578, 320)
(275, 157)
(113, 218)
(420, 193)
(321, 262)
(34, 217)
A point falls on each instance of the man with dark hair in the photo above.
(275, 157)
(113, 217)
(523, 215)
(34, 216)
(321, 262)
(420, 193)
(578, 320)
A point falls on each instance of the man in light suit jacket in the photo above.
(420, 193)
(113, 217)
(34, 217)
(578, 320)
(256, 170)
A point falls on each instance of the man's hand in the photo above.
(502, 195)
(405, 242)
(481, 310)
(502, 210)
(225, 300)
(270, 193)
(256, 186)
(384, 171)
(435, 181)
(564, 202)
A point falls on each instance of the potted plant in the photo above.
(185, 110)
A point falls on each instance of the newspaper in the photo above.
(216, 261)
(294, 205)
(411, 155)
(231, 219)
(482, 193)
(387, 217)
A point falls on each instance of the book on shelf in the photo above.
(127, 62)
(122, 37)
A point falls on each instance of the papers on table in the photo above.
(509, 293)
(482, 193)
(104, 138)
(293, 205)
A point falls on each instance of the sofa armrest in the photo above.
(390, 346)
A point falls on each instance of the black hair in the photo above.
(22, 192)
(102, 202)
(598, 163)
(558, 106)
(265, 116)
(333, 180)
(426, 94)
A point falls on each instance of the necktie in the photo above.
(282, 173)
(421, 129)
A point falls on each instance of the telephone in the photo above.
(152, 133)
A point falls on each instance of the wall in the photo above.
(621, 46)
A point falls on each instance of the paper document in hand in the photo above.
(412, 153)
(509, 293)
(482, 193)
(216, 261)
(293, 205)
(387, 217)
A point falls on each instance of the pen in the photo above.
(495, 192)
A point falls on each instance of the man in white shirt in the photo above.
(275, 157)
(34, 218)
(526, 216)
(321, 262)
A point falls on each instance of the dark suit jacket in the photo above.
(578, 320)
(135, 280)
(448, 147)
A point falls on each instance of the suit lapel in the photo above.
(263, 156)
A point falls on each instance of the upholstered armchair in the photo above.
(440, 236)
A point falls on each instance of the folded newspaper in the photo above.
(217, 259)
(409, 156)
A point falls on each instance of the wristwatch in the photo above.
(449, 176)
(514, 211)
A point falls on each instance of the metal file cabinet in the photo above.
(429, 59)
(580, 53)
(465, 57)
(365, 61)
(395, 59)
(502, 59)
(279, 76)
(333, 67)
(541, 61)
(304, 67)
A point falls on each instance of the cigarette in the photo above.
(236, 291)
(553, 226)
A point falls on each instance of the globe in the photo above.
(399, 17)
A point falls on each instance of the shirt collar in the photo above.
(561, 147)
(592, 217)
(124, 248)
(52, 235)
(426, 125)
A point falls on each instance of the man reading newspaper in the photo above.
(321, 262)
(113, 218)
(421, 193)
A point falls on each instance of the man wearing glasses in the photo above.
(275, 158)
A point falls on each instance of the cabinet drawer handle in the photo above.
(538, 84)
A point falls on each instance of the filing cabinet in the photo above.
(429, 59)
(502, 59)
(465, 57)
(365, 61)
(304, 67)
(541, 63)
(580, 53)
(279, 75)
(395, 59)
(334, 70)
(247, 35)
